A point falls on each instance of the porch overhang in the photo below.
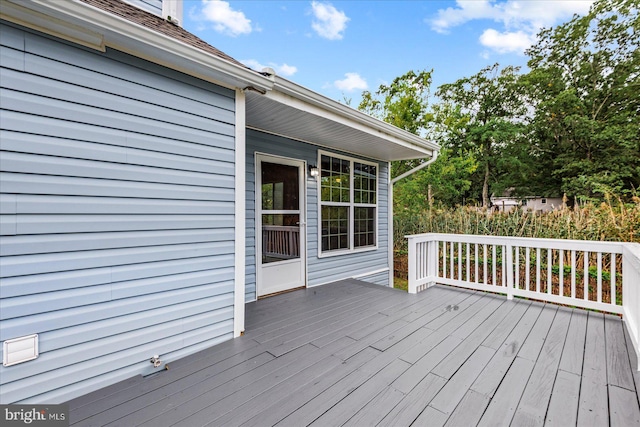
(295, 112)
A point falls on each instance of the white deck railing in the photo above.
(281, 241)
(595, 275)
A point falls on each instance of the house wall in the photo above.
(370, 265)
(117, 215)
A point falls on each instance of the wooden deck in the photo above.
(356, 354)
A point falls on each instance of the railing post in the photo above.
(413, 286)
(631, 294)
(508, 263)
(432, 262)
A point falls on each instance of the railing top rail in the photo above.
(586, 245)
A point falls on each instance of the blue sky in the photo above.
(340, 48)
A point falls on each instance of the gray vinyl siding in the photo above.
(319, 270)
(117, 212)
(380, 278)
(153, 6)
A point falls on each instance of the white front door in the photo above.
(280, 219)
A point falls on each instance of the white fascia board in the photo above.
(17, 14)
(305, 99)
(132, 38)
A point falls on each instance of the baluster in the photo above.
(538, 270)
(549, 270)
(573, 274)
(468, 264)
(477, 280)
(493, 252)
(451, 269)
(484, 256)
(460, 261)
(586, 275)
(527, 275)
(444, 259)
(613, 279)
(599, 263)
(561, 272)
(516, 267)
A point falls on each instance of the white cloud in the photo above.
(506, 42)
(351, 82)
(521, 19)
(285, 70)
(225, 20)
(329, 22)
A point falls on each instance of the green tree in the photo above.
(403, 103)
(494, 109)
(584, 82)
(444, 182)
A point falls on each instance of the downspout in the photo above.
(390, 191)
(416, 169)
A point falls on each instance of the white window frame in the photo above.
(352, 205)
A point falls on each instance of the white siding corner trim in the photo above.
(240, 232)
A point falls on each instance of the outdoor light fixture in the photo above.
(313, 171)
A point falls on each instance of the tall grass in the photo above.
(604, 222)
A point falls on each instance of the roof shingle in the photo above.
(157, 23)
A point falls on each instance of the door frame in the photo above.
(302, 165)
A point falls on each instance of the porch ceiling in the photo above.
(292, 111)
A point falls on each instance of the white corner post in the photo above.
(432, 263)
(240, 214)
(507, 261)
(631, 295)
(413, 279)
(390, 225)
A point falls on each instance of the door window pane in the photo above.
(280, 237)
(280, 187)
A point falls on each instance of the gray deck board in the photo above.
(349, 406)
(563, 407)
(633, 361)
(377, 408)
(505, 401)
(470, 410)
(573, 352)
(430, 417)
(594, 366)
(535, 340)
(452, 393)
(489, 380)
(414, 402)
(535, 399)
(592, 406)
(623, 407)
(356, 354)
(280, 409)
(618, 368)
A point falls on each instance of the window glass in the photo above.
(348, 203)
(335, 228)
(364, 227)
(280, 188)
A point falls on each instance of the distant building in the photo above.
(530, 203)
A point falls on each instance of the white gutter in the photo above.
(416, 169)
(389, 131)
(74, 20)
